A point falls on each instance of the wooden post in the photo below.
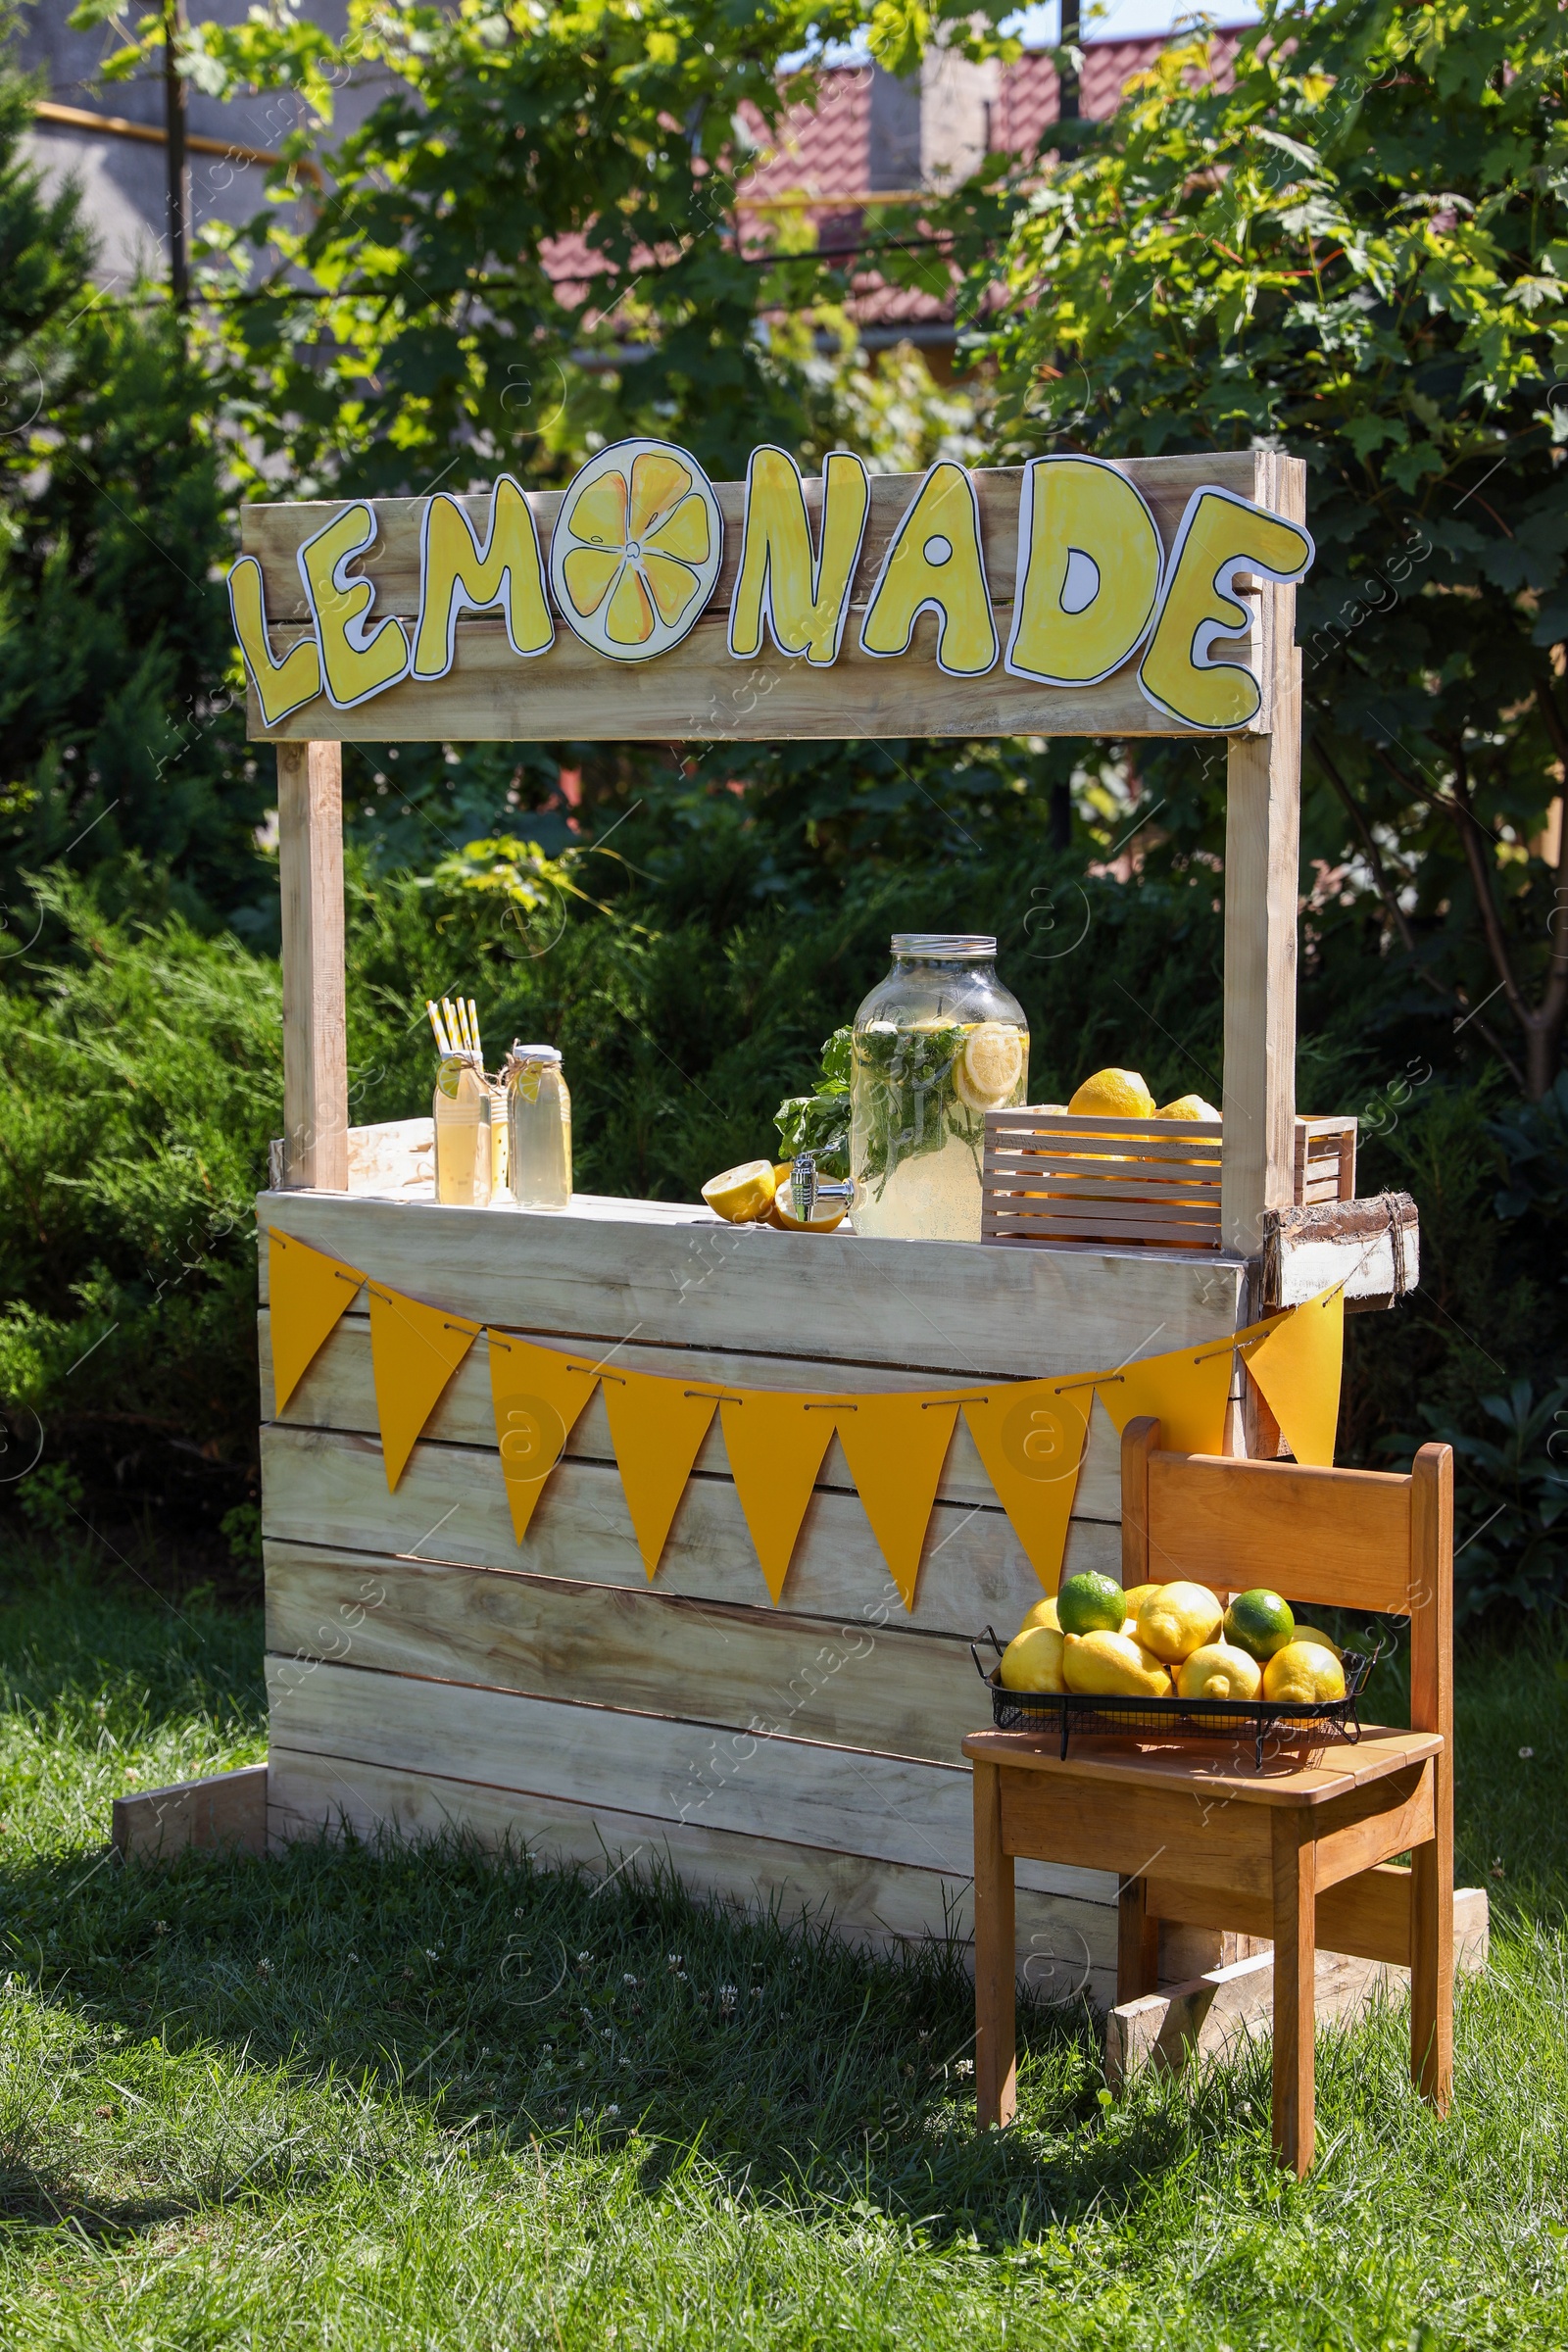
(1262, 853)
(996, 1956)
(310, 855)
(1431, 1710)
(1295, 1987)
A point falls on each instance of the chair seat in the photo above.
(1213, 1768)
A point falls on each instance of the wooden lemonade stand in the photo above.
(426, 1668)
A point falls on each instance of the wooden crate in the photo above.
(1049, 1176)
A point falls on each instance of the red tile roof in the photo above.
(824, 150)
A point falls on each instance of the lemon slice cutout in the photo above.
(629, 621)
(658, 481)
(589, 572)
(636, 550)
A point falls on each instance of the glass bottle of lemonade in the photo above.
(938, 1044)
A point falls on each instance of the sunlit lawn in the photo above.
(419, 2099)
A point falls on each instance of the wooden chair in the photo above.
(1299, 1852)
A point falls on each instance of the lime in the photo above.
(1259, 1622)
(1091, 1603)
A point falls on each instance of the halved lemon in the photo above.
(782, 1213)
(636, 549)
(741, 1194)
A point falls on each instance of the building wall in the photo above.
(125, 181)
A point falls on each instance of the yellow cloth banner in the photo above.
(538, 1396)
(1298, 1365)
(414, 1350)
(775, 1443)
(308, 1291)
(895, 1446)
(656, 1426)
(1032, 1435)
(1184, 1390)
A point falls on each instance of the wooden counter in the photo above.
(423, 1669)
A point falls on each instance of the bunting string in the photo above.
(1031, 1435)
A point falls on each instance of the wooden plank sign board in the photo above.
(1069, 596)
(427, 1671)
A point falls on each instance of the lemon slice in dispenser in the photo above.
(636, 550)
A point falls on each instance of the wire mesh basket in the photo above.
(1265, 1721)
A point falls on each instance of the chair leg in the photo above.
(996, 1957)
(1295, 1988)
(1137, 1942)
(1432, 1973)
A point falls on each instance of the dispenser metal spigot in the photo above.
(810, 1195)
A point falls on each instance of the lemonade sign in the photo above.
(639, 543)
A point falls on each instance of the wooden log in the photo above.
(339, 1393)
(862, 1686)
(795, 1791)
(1373, 1247)
(960, 1312)
(223, 1809)
(316, 1085)
(1065, 1944)
(322, 1487)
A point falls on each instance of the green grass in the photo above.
(423, 2100)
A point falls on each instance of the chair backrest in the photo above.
(1343, 1539)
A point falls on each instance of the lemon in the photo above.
(1044, 1612)
(1179, 1619)
(1188, 1106)
(989, 1071)
(1091, 1603)
(1032, 1660)
(1134, 1595)
(1112, 1095)
(741, 1194)
(1309, 1633)
(1110, 1665)
(1219, 1671)
(1303, 1673)
(783, 1214)
(1259, 1622)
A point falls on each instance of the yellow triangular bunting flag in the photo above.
(414, 1350)
(657, 1426)
(1031, 1437)
(538, 1394)
(308, 1291)
(895, 1446)
(1184, 1390)
(775, 1444)
(1298, 1366)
